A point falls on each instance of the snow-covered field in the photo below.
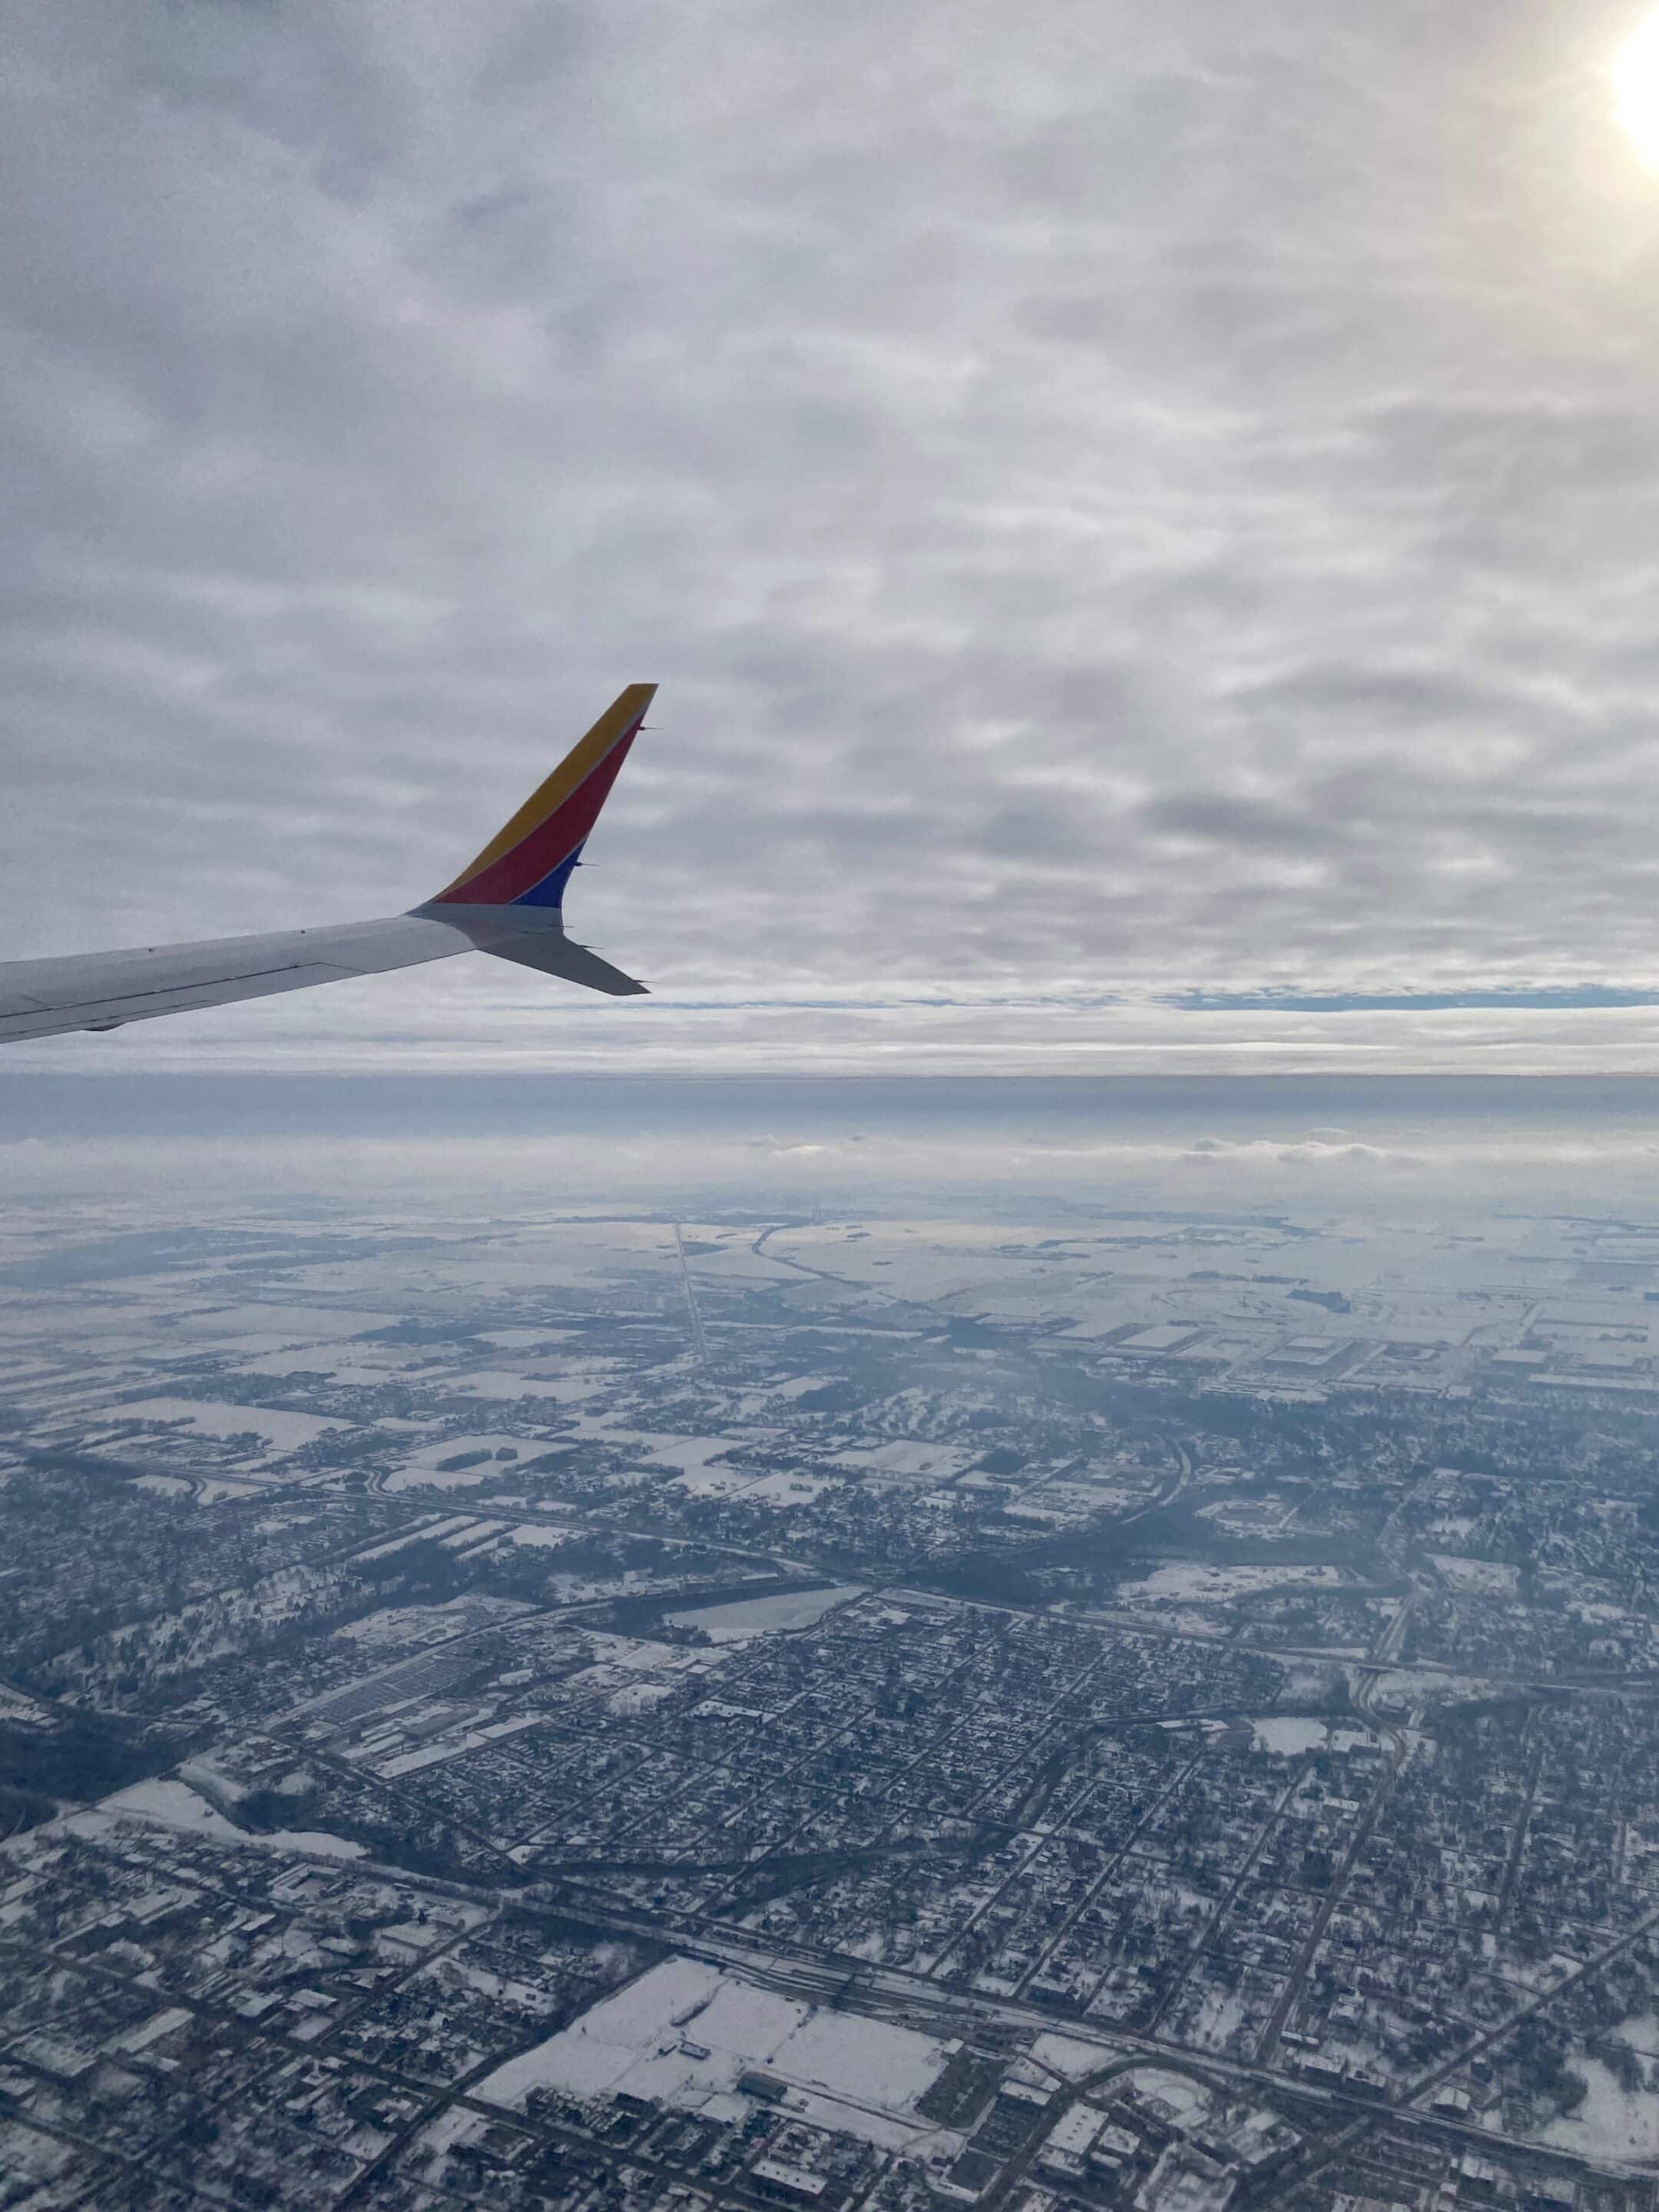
(1219, 2017)
(431, 1478)
(858, 2075)
(176, 1805)
(1185, 2100)
(496, 1382)
(165, 1485)
(1405, 1686)
(17, 1706)
(403, 1627)
(420, 1532)
(907, 1459)
(1487, 1577)
(1256, 1517)
(258, 1326)
(1216, 1586)
(424, 1469)
(209, 1490)
(790, 1489)
(765, 1616)
(287, 1431)
(1069, 2057)
(688, 1456)
(368, 1363)
(712, 1481)
(1286, 1736)
(1609, 2123)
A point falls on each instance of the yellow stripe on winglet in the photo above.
(578, 764)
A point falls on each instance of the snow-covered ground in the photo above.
(164, 1485)
(496, 1382)
(1609, 2123)
(687, 1453)
(1286, 1736)
(790, 1489)
(420, 1532)
(1186, 2100)
(481, 1440)
(1219, 2016)
(860, 2075)
(712, 1481)
(1193, 1581)
(765, 1616)
(425, 1467)
(906, 1459)
(287, 1431)
(176, 1805)
(257, 1327)
(18, 1707)
(431, 1478)
(378, 1361)
(1069, 2057)
(1489, 1577)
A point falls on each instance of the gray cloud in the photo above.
(1116, 504)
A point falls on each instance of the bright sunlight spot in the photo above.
(1636, 81)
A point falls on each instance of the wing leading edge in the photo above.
(509, 902)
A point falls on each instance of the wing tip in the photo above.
(529, 859)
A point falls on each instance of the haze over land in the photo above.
(1414, 1146)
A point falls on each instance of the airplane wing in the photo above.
(508, 901)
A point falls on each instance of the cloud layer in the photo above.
(1405, 1147)
(1117, 504)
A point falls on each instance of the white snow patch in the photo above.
(1064, 2056)
(1215, 1585)
(175, 1805)
(1489, 1577)
(1285, 1735)
(287, 1431)
(765, 1616)
(563, 1389)
(859, 2075)
(1608, 2125)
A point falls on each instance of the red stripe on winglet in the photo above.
(548, 844)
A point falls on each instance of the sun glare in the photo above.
(1636, 82)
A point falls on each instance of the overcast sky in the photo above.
(1120, 500)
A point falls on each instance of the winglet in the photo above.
(528, 862)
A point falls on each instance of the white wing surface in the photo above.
(508, 903)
